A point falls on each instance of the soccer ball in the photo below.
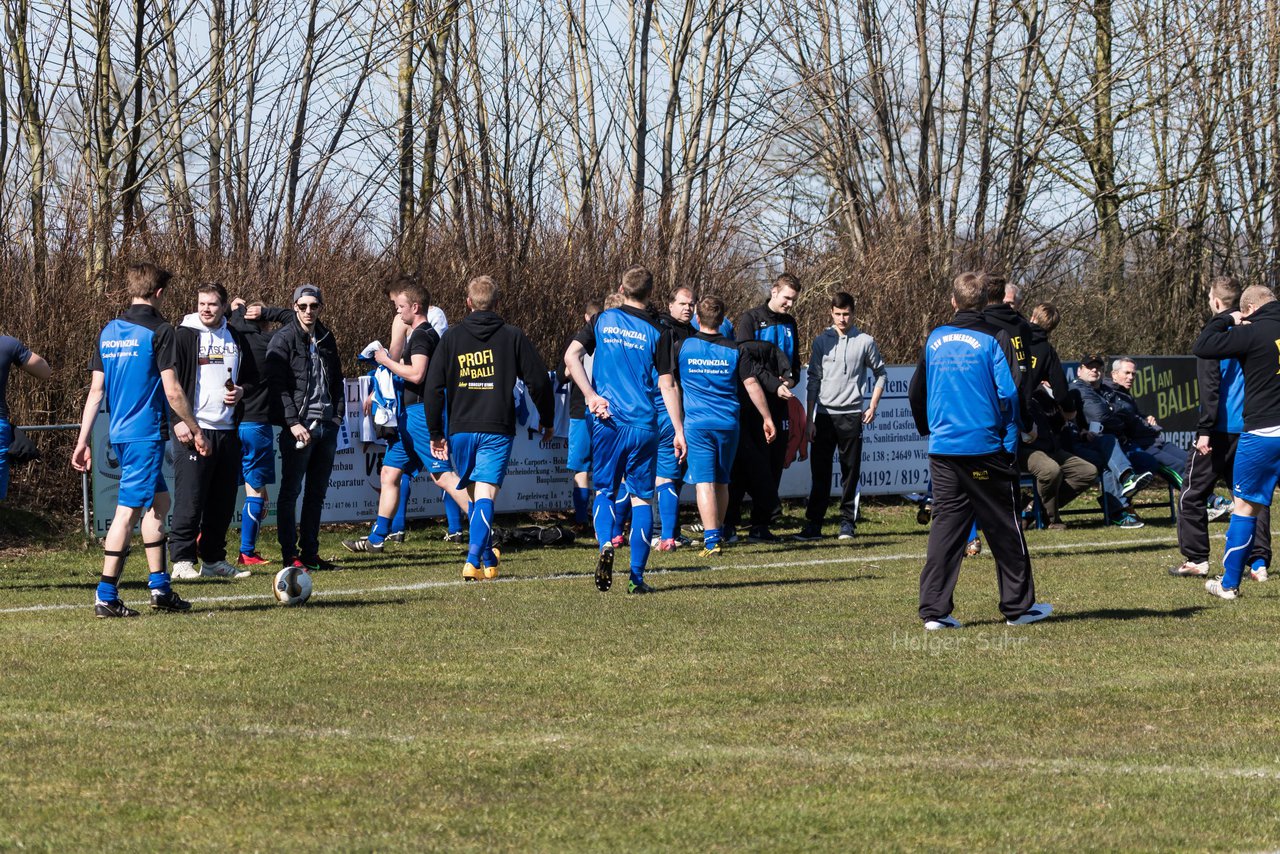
(292, 586)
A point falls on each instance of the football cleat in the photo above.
(364, 544)
(168, 601)
(250, 559)
(604, 569)
(639, 587)
(114, 608)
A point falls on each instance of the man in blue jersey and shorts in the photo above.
(472, 379)
(710, 368)
(964, 397)
(410, 452)
(133, 367)
(1257, 462)
(14, 353)
(629, 357)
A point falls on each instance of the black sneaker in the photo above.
(809, 532)
(604, 569)
(397, 537)
(168, 600)
(848, 530)
(364, 544)
(317, 564)
(639, 588)
(762, 535)
(457, 537)
(114, 608)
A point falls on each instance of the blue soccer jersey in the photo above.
(710, 368)
(132, 351)
(627, 359)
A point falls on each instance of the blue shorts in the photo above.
(579, 445)
(668, 466)
(411, 451)
(620, 453)
(6, 439)
(1256, 468)
(480, 457)
(257, 454)
(141, 472)
(710, 454)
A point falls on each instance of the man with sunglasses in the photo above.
(304, 372)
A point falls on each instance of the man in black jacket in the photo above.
(752, 465)
(473, 374)
(257, 438)
(1140, 435)
(1213, 456)
(671, 469)
(578, 459)
(304, 372)
(1258, 452)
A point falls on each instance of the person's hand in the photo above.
(1236, 316)
(810, 432)
(182, 433)
(237, 302)
(367, 406)
(770, 431)
(337, 421)
(680, 446)
(548, 433)
(869, 415)
(440, 449)
(1202, 445)
(598, 406)
(784, 393)
(382, 357)
(233, 396)
(301, 434)
(203, 448)
(81, 458)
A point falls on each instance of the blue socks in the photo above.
(581, 499)
(711, 538)
(381, 527)
(602, 517)
(250, 522)
(641, 531)
(157, 581)
(107, 590)
(452, 513)
(399, 520)
(621, 513)
(1236, 554)
(669, 508)
(481, 530)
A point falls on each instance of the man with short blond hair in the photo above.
(472, 378)
(133, 368)
(964, 398)
(1257, 463)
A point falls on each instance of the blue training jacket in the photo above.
(132, 351)
(963, 395)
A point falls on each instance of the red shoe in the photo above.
(668, 545)
(619, 541)
(250, 559)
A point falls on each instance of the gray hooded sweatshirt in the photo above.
(838, 369)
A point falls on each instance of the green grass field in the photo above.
(780, 698)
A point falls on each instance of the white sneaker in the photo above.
(184, 570)
(947, 622)
(222, 569)
(1038, 612)
(1259, 573)
(1215, 588)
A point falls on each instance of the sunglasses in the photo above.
(307, 306)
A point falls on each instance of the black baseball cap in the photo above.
(307, 291)
(1093, 360)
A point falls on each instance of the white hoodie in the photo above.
(218, 357)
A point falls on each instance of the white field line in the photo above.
(584, 575)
